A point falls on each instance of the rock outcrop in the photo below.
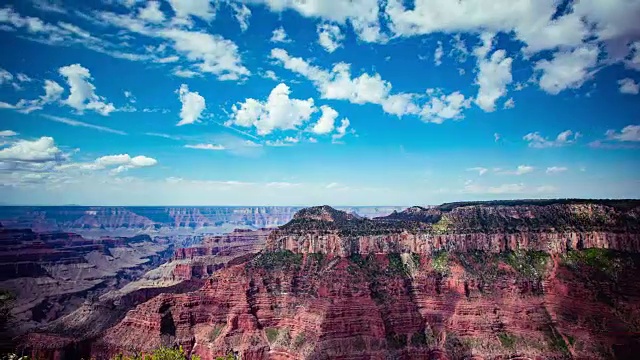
(510, 280)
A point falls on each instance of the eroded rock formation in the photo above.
(484, 281)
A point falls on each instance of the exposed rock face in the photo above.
(457, 281)
(554, 228)
(51, 274)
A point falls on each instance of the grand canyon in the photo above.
(531, 279)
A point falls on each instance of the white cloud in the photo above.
(330, 37)
(279, 111)
(185, 73)
(496, 137)
(269, 74)
(341, 131)
(151, 12)
(556, 169)
(326, 122)
(5, 76)
(7, 133)
(82, 93)
(78, 123)
(49, 6)
(212, 53)
(198, 8)
(40, 150)
(628, 133)
(193, 104)
(520, 170)
(363, 15)
(567, 69)
(124, 162)
(509, 104)
(628, 86)
(338, 84)
(536, 140)
(493, 77)
(480, 170)
(437, 55)
(444, 107)
(279, 36)
(206, 147)
(242, 14)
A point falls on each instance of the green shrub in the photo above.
(272, 334)
(508, 341)
(215, 332)
(440, 262)
(277, 260)
(162, 353)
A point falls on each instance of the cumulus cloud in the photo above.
(278, 112)
(564, 138)
(198, 8)
(326, 122)
(151, 12)
(40, 150)
(124, 162)
(444, 107)
(568, 69)
(628, 133)
(556, 169)
(629, 86)
(363, 15)
(82, 94)
(215, 147)
(341, 131)
(279, 36)
(211, 53)
(330, 37)
(493, 77)
(193, 104)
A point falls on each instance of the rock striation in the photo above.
(51, 274)
(505, 280)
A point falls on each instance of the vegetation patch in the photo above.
(164, 353)
(272, 334)
(443, 226)
(529, 264)
(215, 332)
(299, 340)
(507, 340)
(277, 260)
(396, 265)
(440, 262)
(607, 261)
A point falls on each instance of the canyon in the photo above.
(497, 280)
(131, 220)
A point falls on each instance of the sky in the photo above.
(343, 102)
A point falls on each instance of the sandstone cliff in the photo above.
(515, 280)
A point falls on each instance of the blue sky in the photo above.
(285, 102)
